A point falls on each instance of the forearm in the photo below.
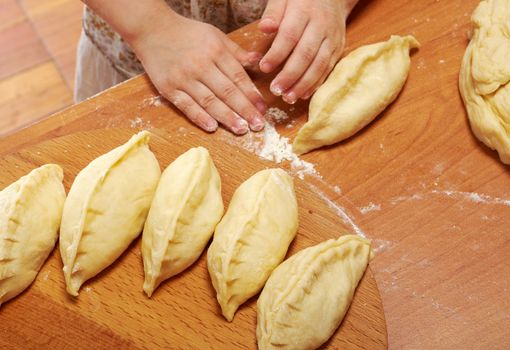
(132, 19)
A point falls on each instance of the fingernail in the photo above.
(261, 106)
(276, 89)
(211, 125)
(240, 127)
(265, 67)
(257, 124)
(267, 21)
(290, 98)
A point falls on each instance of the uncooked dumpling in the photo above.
(485, 76)
(184, 212)
(360, 87)
(30, 212)
(106, 209)
(252, 238)
(307, 296)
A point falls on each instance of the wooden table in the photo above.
(434, 200)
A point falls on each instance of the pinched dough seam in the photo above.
(171, 228)
(134, 143)
(232, 253)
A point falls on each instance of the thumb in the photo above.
(272, 17)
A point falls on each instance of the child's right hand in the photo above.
(200, 70)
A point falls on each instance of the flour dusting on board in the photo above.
(270, 145)
(467, 196)
(277, 149)
(154, 101)
(139, 123)
(370, 207)
(276, 114)
(474, 197)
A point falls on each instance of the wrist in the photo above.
(156, 18)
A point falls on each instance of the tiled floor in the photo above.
(37, 55)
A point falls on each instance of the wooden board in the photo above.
(432, 198)
(112, 310)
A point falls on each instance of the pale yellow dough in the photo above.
(252, 238)
(485, 76)
(360, 87)
(307, 296)
(30, 212)
(184, 212)
(106, 208)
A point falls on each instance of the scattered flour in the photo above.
(421, 63)
(290, 125)
(380, 245)
(474, 197)
(139, 123)
(469, 196)
(276, 115)
(270, 145)
(46, 275)
(370, 207)
(396, 200)
(277, 148)
(155, 101)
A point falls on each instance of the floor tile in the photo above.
(58, 23)
(31, 95)
(20, 48)
(10, 13)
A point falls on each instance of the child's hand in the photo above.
(200, 70)
(311, 35)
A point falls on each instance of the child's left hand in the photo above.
(310, 36)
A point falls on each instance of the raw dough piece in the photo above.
(485, 76)
(360, 87)
(306, 297)
(106, 209)
(30, 212)
(184, 212)
(252, 238)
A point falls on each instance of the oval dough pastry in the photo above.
(360, 87)
(30, 212)
(252, 238)
(484, 80)
(307, 296)
(106, 209)
(184, 212)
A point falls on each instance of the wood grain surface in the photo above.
(112, 311)
(434, 200)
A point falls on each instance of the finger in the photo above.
(216, 108)
(272, 16)
(193, 111)
(299, 62)
(326, 74)
(288, 36)
(247, 59)
(231, 95)
(319, 67)
(321, 81)
(235, 72)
